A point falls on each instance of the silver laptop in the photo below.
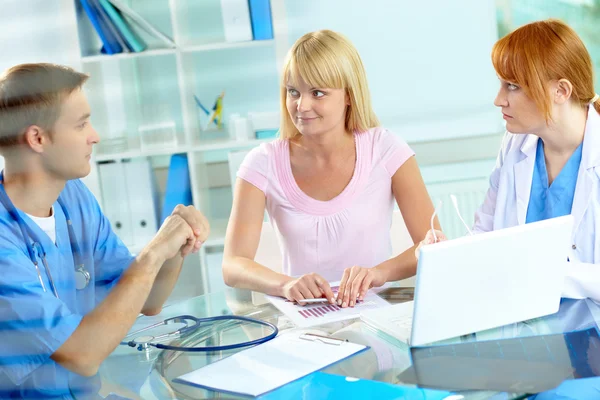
(480, 282)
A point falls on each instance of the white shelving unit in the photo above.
(223, 46)
(126, 89)
(209, 145)
(105, 57)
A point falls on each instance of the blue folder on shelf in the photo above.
(260, 16)
(179, 190)
(110, 26)
(134, 44)
(111, 45)
(111, 34)
(141, 22)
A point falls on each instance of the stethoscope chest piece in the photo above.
(141, 342)
(82, 278)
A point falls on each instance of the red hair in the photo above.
(540, 52)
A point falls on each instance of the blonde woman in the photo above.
(328, 185)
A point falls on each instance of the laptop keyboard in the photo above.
(403, 324)
(395, 320)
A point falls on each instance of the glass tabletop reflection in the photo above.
(150, 373)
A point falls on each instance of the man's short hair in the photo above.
(32, 94)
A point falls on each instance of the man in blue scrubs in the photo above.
(57, 322)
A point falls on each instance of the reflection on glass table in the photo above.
(150, 374)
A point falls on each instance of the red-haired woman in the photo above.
(549, 163)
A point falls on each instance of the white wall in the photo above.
(428, 62)
(38, 31)
(41, 31)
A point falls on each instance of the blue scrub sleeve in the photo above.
(33, 323)
(588, 388)
(111, 256)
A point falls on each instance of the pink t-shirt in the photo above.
(328, 236)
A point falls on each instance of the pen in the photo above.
(319, 300)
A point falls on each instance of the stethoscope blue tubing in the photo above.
(249, 343)
(12, 211)
(27, 232)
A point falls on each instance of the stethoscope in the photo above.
(82, 279)
(192, 324)
(82, 276)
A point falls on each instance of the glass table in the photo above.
(149, 374)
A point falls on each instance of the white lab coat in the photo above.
(506, 202)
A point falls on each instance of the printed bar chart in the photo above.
(318, 311)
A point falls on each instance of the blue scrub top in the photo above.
(33, 322)
(557, 199)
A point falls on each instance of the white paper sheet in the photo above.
(323, 313)
(266, 367)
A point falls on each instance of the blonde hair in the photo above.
(327, 59)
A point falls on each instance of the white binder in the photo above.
(236, 20)
(268, 366)
(115, 200)
(142, 204)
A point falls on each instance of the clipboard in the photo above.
(266, 367)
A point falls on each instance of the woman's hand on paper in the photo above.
(355, 283)
(430, 238)
(309, 286)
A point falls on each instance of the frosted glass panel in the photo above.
(428, 62)
(581, 15)
(200, 22)
(37, 31)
